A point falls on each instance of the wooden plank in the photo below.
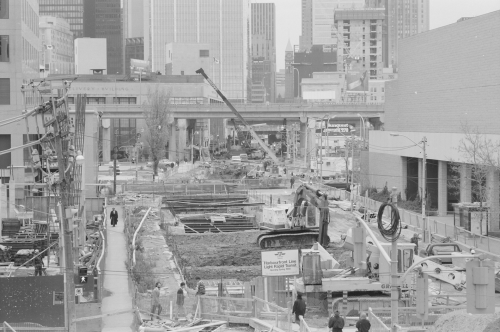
(229, 319)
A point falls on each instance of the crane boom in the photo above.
(238, 115)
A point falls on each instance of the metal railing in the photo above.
(303, 327)
(377, 325)
(244, 310)
(25, 327)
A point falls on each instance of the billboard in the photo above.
(139, 68)
(280, 263)
(357, 77)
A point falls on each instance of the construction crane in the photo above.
(256, 137)
(300, 233)
(241, 137)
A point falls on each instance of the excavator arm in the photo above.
(238, 115)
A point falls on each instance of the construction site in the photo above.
(219, 244)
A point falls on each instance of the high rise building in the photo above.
(19, 64)
(133, 14)
(280, 86)
(404, 18)
(224, 24)
(289, 74)
(317, 21)
(102, 19)
(70, 10)
(361, 41)
(263, 50)
(57, 46)
(134, 49)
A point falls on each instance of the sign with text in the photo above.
(280, 263)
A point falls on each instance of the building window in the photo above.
(182, 72)
(4, 49)
(96, 100)
(4, 91)
(125, 100)
(204, 53)
(4, 9)
(71, 100)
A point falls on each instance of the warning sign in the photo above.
(78, 291)
(280, 263)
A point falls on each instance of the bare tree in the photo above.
(157, 117)
(481, 155)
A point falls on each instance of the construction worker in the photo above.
(336, 323)
(299, 308)
(155, 301)
(414, 240)
(38, 262)
(363, 324)
(181, 294)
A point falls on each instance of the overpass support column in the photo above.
(182, 125)
(420, 178)
(312, 144)
(465, 184)
(492, 182)
(172, 143)
(404, 177)
(303, 129)
(106, 140)
(442, 188)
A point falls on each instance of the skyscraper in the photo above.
(57, 56)
(404, 18)
(264, 49)
(70, 10)
(102, 19)
(317, 21)
(289, 74)
(224, 24)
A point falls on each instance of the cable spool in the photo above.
(392, 232)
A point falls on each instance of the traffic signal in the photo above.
(480, 286)
(422, 296)
(82, 275)
(359, 251)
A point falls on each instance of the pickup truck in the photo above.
(435, 249)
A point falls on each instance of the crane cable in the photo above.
(391, 233)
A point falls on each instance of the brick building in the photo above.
(447, 77)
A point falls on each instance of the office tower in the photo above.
(404, 18)
(317, 18)
(263, 52)
(57, 55)
(70, 10)
(19, 64)
(223, 24)
(134, 49)
(360, 43)
(102, 19)
(289, 74)
(133, 14)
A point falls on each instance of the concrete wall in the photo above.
(448, 76)
(384, 168)
(90, 53)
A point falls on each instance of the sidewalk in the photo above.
(116, 279)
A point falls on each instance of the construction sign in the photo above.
(280, 263)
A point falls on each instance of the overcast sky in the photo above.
(443, 12)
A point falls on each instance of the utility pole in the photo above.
(114, 162)
(352, 170)
(67, 233)
(321, 154)
(424, 196)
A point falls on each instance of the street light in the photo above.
(424, 184)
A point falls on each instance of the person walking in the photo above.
(181, 293)
(363, 324)
(292, 182)
(200, 290)
(414, 240)
(336, 323)
(114, 217)
(155, 301)
(299, 308)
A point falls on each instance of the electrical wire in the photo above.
(393, 231)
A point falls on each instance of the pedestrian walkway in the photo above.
(116, 279)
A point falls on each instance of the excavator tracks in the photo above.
(292, 239)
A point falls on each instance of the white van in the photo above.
(244, 157)
(236, 160)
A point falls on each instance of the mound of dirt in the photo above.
(460, 320)
(241, 273)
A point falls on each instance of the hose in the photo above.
(391, 233)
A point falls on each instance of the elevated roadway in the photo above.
(252, 111)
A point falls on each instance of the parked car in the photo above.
(235, 160)
(244, 157)
(435, 249)
(111, 167)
